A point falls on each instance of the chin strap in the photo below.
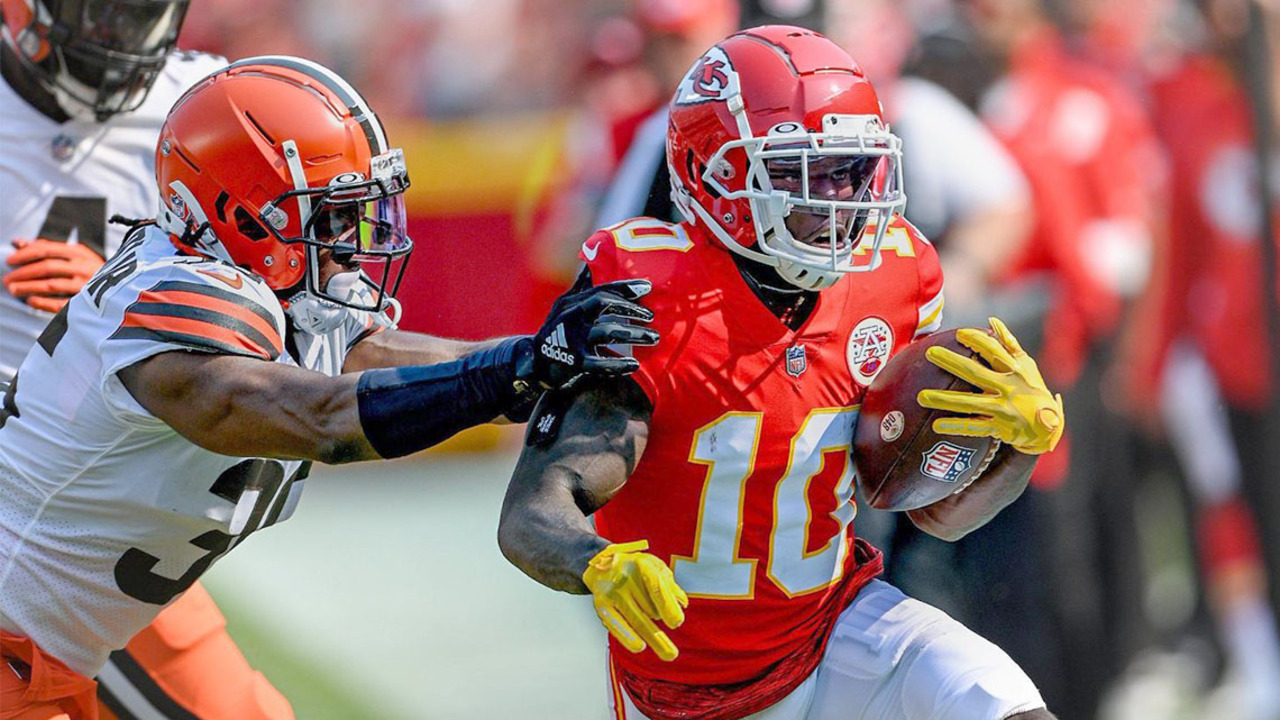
(318, 315)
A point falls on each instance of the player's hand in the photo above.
(1015, 406)
(46, 273)
(632, 589)
(581, 322)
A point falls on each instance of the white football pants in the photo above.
(895, 658)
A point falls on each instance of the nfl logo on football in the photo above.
(796, 361)
(946, 462)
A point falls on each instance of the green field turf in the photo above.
(386, 597)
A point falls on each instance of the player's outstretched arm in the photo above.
(545, 531)
(402, 407)
(246, 407)
(581, 322)
(398, 348)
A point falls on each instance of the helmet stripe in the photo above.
(355, 103)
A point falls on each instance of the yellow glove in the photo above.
(632, 589)
(1015, 407)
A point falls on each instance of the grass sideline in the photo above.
(313, 687)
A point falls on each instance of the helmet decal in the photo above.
(712, 78)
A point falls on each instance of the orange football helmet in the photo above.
(95, 57)
(777, 144)
(275, 160)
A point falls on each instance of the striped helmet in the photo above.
(272, 162)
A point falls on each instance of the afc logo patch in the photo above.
(797, 363)
(946, 462)
(869, 346)
(712, 78)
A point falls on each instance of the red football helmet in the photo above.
(95, 57)
(777, 144)
(272, 161)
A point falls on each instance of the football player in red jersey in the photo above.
(720, 479)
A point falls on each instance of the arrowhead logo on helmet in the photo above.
(712, 77)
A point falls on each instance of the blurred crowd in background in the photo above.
(1099, 173)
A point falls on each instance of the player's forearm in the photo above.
(398, 348)
(546, 535)
(311, 419)
(391, 412)
(248, 408)
(245, 407)
(958, 515)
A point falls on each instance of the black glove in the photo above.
(581, 321)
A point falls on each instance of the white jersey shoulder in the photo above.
(151, 299)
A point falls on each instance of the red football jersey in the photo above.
(746, 487)
(1210, 289)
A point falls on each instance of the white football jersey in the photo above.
(64, 181)
(106, 513)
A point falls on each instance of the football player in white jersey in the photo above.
(170, 407)
(87, 84)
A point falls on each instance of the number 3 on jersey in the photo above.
(728, 448)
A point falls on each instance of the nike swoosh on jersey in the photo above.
(202, 317)
(590, 252)
(235, 281)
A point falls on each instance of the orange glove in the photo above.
(47, 273)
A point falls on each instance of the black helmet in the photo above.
(95, 57)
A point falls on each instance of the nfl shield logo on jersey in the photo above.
(946, 462)
(797, 363)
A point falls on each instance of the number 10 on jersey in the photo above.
(728, 448)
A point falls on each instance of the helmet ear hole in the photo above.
(692, 168)
(248, 226)
(710, 189)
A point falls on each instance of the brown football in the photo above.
(901, 463)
